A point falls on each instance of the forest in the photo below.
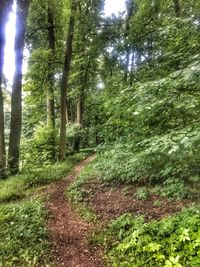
(100, 135)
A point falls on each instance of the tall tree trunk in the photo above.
(5, 6)
(127, 64)
(50, 81)
(64, 85)
(16, 105)
(50, 88)
(84, 70)
(132, 67)
(80, 103)
(177, 8)
(130, 9)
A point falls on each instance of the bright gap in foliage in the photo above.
(114, 7)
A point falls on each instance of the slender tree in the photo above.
(177, 8)
(128, 48)
(5, 6)
(16, 101)
(50, 89)
(64, 83)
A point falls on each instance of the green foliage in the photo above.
(142, 193)
(12, 189)
(157, 203)
(173, 241)
(155, 160)
(154, 130)
(15, 187)
(173, 188)
(23, 240)
(73, 131)
(47, 174)
(77, 192)
(41, 148)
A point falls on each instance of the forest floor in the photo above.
(70, 234)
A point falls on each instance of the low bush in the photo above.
(154, 160)
(174, 241)
(142, 193)
(175, 188)
(22, 234)
(41, 149)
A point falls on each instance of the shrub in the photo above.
(142, 193)
(41, 148)
(174, 241)
(154, 160)
(73, 131)
(174, 188)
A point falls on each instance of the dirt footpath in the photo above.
(67, 231)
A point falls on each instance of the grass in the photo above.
(14, 187)
(76, 193)
(22, 234)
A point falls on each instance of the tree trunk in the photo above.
(84, 70)
(127, 64)
(16, 105)
(64, 85)
(50, 88)
(4, 11)
(132, 67)
(177, 8)
(50, 82)
(130, 9)
(79, 111)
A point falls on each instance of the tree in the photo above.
(5, 7)
(64, 83)
(50, 89)
(16, 101)
(87, 49)
(177, 8)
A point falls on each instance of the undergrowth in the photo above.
(173, 241)
(23, 240)
(14, 187)
(77, 191)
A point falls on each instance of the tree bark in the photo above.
(84, 70)
(130, 9)
(5, 7)
(177, 8)
(64, 85)
(79, 109)
(16, 105)
(50, 88)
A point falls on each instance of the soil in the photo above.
(67, 231)
(111, 202)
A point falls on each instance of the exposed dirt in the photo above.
(67, 231)
(110, 202)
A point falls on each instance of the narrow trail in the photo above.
(67, 231)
